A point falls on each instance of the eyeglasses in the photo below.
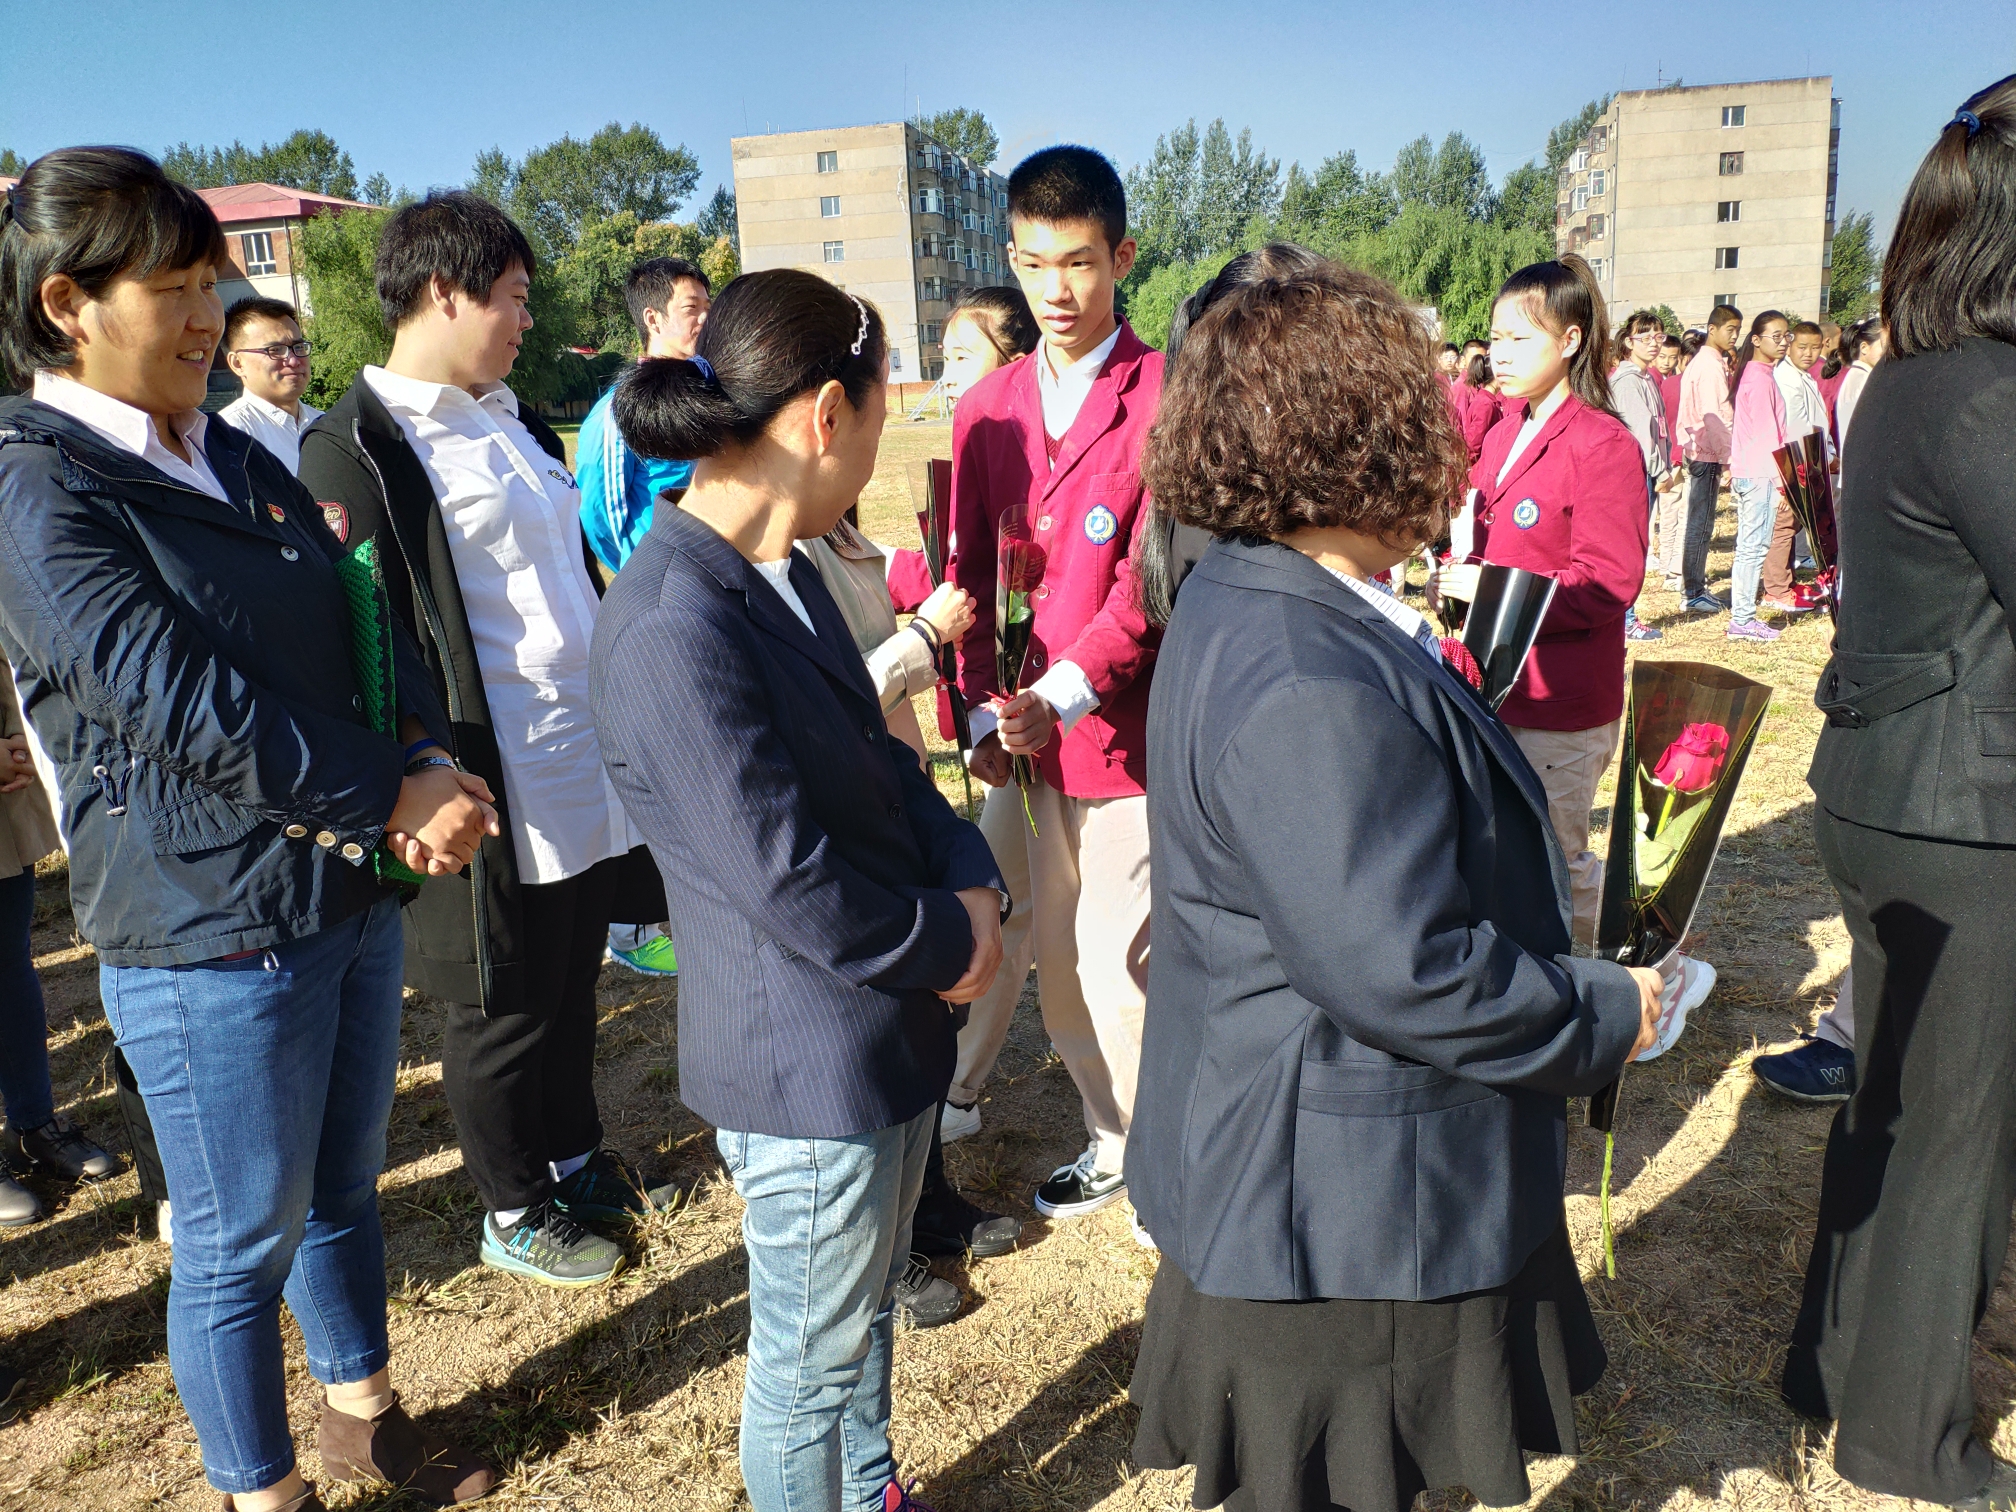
(278, 352)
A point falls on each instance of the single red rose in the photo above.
(1461, 662)
(1022, 565)
(1691, 762)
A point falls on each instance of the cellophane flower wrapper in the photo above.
(1019, 566)
(362, 578)
(1502, 624)
(1809, 494)
(1689, 728)
(931, 497)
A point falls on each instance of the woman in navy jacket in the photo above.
(1364, 1016)
(830, 911)
(169, 597)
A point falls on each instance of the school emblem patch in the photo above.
(1526, 514)
(565, 478)
(337, 518)
(279, 514)
(1101, 525)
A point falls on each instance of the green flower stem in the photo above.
(1609, 1243)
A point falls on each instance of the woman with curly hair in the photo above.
(1364, 1016)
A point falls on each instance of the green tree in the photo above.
(1563, 139)
(1197, 194)
(12, 165)
(1858, 265)
(1340, 202)
(557, 189)
(963, 131)
(717, 219)
(1526, 199)
(1235, 186)
(347, 326)
(308, 160)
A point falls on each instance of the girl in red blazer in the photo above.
(1560, 490)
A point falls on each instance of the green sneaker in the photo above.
(547, 1246)
(654, 958)
(607, 1190)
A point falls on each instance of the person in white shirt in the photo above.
(478, 524)
(264, 346)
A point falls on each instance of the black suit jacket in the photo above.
(809, 861)
(1921, 693)
(1363, 1015)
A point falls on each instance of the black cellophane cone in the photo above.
(1503, 623)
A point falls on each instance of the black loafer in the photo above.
(928, 1300)
(950, 1225)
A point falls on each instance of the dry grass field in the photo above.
(626, 1397)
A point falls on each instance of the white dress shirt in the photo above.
(779, 574)
(513, 520)
(271, 426)
(1805, 409)
(133, 430)
(1403, 617)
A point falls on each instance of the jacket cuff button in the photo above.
(353, 851)
(325, 840)
(296, 831)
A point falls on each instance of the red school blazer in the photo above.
(1085, 512)
(1572, 507)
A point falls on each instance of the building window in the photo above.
(931, 201)
(1601, 137)
(931, 288)
(1830, 214)
(1579, 161)
(1728, 210)
(829, 206)
(1599, 227)
(1599, 183)
(987, 264)
(836, 251)
(1001, 199)
(932, 332)
(259, 257)
(829, 162)
(1599, 267)
(1732, 164)
(1581, 200)
(1725, 257)
(895, 359)
(1732, 115)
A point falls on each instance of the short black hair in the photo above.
(1722, 315)
(653, 282)
(255, 307)
(98, 214)
(1950, 272)
(454, 235)
(1062, 185)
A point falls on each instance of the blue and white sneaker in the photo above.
(547, 1246)
(1819, 1071)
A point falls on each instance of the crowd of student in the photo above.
(336, 703)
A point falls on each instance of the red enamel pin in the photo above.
(279, 514)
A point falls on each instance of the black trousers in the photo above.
(1916, 1187)
(139, 1130)
(1702, 478)
(522, 1085)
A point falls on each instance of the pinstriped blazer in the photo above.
(809, 862)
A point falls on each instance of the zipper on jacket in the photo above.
(436, 627)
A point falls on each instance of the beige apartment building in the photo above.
(882, 211)
(1705, 195)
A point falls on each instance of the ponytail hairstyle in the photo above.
(99, 214)
(1155, 567)
(1748, 348)
(1860, 335)
(1001, 313)
(1478, 374)
(770, 337)
(1950, 273)
(1561, 294)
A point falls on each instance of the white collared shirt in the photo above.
(1805, 410)
(271, 426)
(779, 575)
(1408, 621)
(133, 430)
(513, 519)
(1064, 394)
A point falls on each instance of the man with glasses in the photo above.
(264, 346)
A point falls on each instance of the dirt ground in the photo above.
(626, 1397)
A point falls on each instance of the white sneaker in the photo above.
(1685, 991)
(164, 1222)
(958, 1123)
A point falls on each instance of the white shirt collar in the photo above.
(132, 430)
(423, 398)
(1408, 621)
(1085, 369)
(274, 413)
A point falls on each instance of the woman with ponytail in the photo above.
(1912, 782)
(1758, 432)
(831, 913)
(1560, 490)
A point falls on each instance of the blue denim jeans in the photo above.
(269, 1082)
(1756, 513)
(828, 1234)
(24, 1032)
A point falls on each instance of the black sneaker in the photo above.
(1819, 1071)
(950, 1225)
(607, 1190)
(929, 1300)
(547, 1246)
(1079, 1188)
(60, 1146)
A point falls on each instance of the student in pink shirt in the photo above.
(1059, 433)
(1758, 432)
(1703, 432)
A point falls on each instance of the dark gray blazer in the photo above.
(809, 862)
(1363, 1016)
(1921, 693)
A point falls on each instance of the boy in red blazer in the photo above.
(1060, 432)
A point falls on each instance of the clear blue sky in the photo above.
(415, 89)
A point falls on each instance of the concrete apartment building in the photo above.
(883, 212)
(1704, 195)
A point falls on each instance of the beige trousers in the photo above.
(1571, 764)
(1081, 911)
